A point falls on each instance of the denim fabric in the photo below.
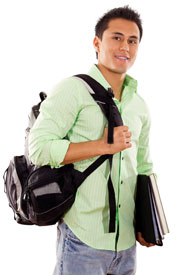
(76, 258)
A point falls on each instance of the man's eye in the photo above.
(132, 41)
(117, 38)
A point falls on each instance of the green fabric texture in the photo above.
(70, 114)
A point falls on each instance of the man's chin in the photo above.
(118, 70)
(113, 69)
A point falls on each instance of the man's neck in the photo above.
(114, 79)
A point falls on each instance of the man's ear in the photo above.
(96, 44)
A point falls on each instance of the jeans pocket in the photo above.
(70, 235)
(72, 243)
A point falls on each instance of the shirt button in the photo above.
(121, 182)
(122, 158)
(119, 205)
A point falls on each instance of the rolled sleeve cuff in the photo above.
(58, 151)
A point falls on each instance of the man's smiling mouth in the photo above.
(122, 57)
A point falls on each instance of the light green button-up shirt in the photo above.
(70, 114)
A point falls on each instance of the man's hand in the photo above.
(141, 240)
(121, 137)
(90, 149)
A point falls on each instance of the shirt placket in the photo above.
(118, 104)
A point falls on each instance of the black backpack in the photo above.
(42, 195)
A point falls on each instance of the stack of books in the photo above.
(150, 215)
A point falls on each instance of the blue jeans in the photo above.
(76, 258)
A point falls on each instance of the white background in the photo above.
(45, 41)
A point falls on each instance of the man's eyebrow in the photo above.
(120, 33)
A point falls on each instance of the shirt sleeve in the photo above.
(144, 162)
(48, 142)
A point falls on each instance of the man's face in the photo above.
(118, 48)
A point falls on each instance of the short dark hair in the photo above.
(123, 12)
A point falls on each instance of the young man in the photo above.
(71, 128)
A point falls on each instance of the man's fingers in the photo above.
(128, 145)
(142, 241)
(128, 140)
(125, 128)
(128, 134)
(122, 128)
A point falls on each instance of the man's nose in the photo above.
(124, 46)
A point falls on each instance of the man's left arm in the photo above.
(144, 163)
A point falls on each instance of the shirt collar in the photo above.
(130, 82)
(98, 76)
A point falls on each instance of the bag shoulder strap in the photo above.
(104, 99)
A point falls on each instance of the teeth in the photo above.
(121, 57)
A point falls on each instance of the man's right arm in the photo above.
(47, 142)
(86, 150)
